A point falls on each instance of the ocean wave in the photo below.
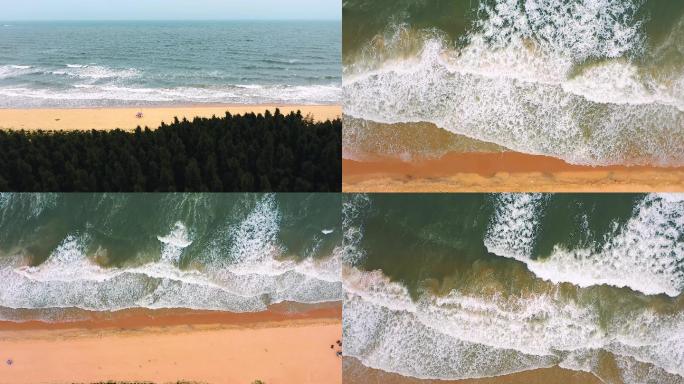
(531, 116)
(248, 280)
(174, 243)
(646, 254)
(95, 72)
(459, 336)
(579, 29)
(354, 209)
(103, 95)
(86, 72)
(11, 71)
(490, 327)
(539, 80)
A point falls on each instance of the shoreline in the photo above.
(167, 317)
(504, 172)
(109, 118)
(177, 344)
(357, 373)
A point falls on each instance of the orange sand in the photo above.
(504, 172)
(208, 348)
(125, 118)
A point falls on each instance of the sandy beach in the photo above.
(276, 346)
(357, 373)
(504, 172)
(125, 118)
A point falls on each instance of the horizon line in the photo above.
(237, 19)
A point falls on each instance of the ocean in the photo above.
(64, 255)
(120, 63)
(457, 286)
(591, 82)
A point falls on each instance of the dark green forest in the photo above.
(245, 153)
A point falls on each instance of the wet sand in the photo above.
(125, 118)
(504, 172)
(275, 346)
(357, 373)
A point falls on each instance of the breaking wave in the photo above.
(646, 254)
(253, 274)
(105, 95)
(460, 336)
(571, 79)
(494, 317)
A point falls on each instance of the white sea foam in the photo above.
(95, 72)
(90, 94)
(11, 71)
(463, 336)
(646, 254)
(515, 84)
(5, 198)
(577, 29)
(514, 227)
(255, 277)
(591, 127)
(471, 335)
(254, 240)
(353, 210)
(620, 82)
(174, 243)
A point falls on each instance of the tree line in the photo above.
(234, 153)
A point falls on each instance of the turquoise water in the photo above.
(68, 64)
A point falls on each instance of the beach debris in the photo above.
(10, 361)
(139, 115)
(327, 231)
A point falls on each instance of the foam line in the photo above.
(459, 336)
(253, 275)
(523, 81)
(646, 254)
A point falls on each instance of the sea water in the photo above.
(118, 63)
(594, 82)
(471, 286)
(109, 252)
